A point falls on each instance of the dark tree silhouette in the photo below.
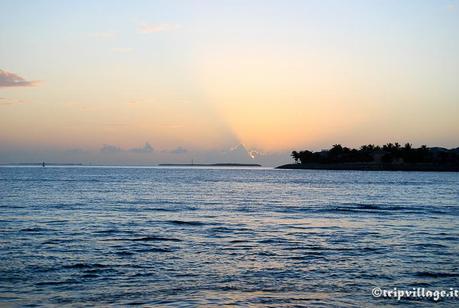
(390, 153)
(295, 156)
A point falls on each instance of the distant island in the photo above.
(389, 157)
(211, 165)
(41, 164)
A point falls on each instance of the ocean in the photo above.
(225, 236)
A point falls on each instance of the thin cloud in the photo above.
(155, 28)
(110, 149)
(178, 150)
(103, 35)
(8, 79)
(135, 102)
(8, 102)
(75, 151)
(4, 102)
(122, 50)
(113, 149)
(171, 126)
(147, 148)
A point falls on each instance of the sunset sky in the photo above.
(170, 81)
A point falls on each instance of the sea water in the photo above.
(215, 236)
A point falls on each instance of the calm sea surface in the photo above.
(208, 236)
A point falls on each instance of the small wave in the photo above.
(370, 208)
(373, 249)
(35, 229)
(85, 266)
(436, 274)
(136, 303)
(156, 238)
(155, 249)
(185, 223)
(430, 245)
(367, 206)
(273, 241)
(345, 207)
(56, 241)
(450, 238)
(54, 180)
(319, 249)
(52, 283)
(124, 253)
(107, 231)
(266, 253)
(307, 257)
(157, 209)
(161, 202)
(239, 241)
(146, 239)
(56, 222)
(90, 275)
(222, 229)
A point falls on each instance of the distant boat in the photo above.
(43, 164)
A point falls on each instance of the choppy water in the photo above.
(202, 236)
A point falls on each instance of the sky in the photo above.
(146, 82)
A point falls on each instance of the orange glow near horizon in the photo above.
(274, 103)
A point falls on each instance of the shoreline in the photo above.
(375, 167)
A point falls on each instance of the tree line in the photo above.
(388, 153)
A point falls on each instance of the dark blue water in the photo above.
(197, 236)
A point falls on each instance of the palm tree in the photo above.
(295, 156)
